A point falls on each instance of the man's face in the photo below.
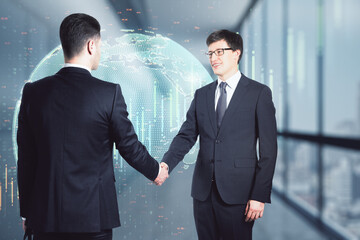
(226, 65)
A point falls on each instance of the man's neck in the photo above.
(228, 75)
(67, 64)
(80, 60)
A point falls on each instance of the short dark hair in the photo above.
(233, 39)
(75, 30)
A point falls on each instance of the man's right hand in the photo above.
(163, 175)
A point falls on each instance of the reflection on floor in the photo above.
(172, 216)
(280, 222)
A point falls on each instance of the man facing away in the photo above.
(68, 124)
(230, 182)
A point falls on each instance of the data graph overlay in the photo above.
(158, 78)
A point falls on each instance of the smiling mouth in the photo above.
(215, 65)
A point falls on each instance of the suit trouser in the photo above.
(103, 235)
(214, 219)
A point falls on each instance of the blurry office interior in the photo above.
(305, 51)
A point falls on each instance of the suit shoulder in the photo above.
(103, 83)
(42, 81)
(257, 85)
(41, 84)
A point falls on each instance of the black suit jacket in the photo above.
(230, 153)
(68, 124)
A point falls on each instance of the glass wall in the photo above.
(302, 171)
(341, 67)
(301, 37)
(342, 188)
(274, 52)
(278, 181)
(307, 51)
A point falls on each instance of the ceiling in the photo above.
(184, 21)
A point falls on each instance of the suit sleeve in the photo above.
(184, 140)
(267, 133)
(126, 140)
(26, 155)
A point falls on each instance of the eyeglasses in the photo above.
(218, 52)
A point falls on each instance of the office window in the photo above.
(252, 60)
(255, 58)
(245, 63)
(278, 181)
(341, 68)
(302, 38)
(342, 188)
(275, 51)
(303, 175)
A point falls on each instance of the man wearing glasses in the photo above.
(231, 182)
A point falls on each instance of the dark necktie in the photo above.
(221, 104)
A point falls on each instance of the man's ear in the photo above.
(91, 47)
(237, 54)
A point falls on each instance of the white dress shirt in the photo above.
(232, 83)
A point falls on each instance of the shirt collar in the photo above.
(233, 80)
(76, 65)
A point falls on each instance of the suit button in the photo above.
(217, 141)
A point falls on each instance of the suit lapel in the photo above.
(235, 100)
(210, 98)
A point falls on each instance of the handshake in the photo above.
(163, 174)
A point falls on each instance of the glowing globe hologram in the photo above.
(158, 78)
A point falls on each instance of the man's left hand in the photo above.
(254, 210)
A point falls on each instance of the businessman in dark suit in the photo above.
(230, 182)
(68, 125)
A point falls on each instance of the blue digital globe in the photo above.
(158, 78)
